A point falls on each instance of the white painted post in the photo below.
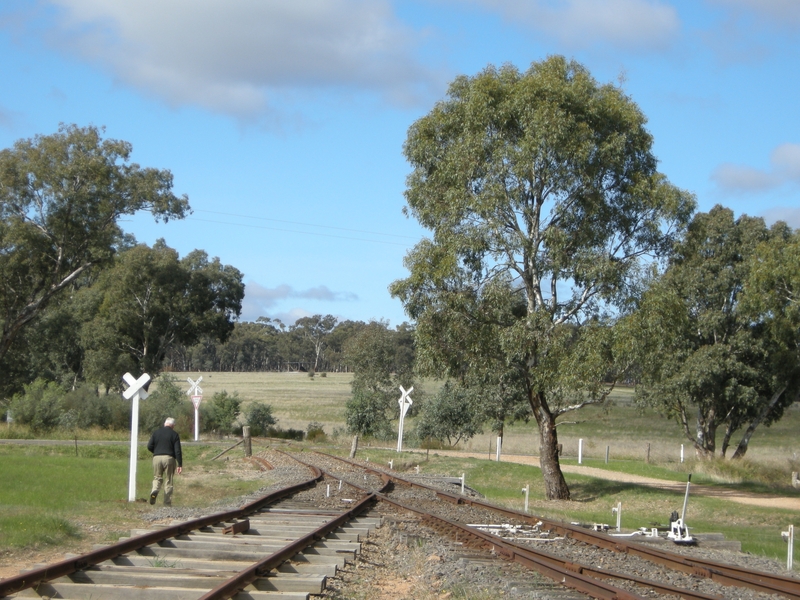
(135, 392)
(417, 467)
(580, 451)
(499, 447)
(788, 536)
(462, 484)
(391, 465)
(527, 490)
(618, 510)
(328, 491)
(405, 402)
(681, 452)
(196, 392)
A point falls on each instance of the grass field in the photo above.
(297, 400)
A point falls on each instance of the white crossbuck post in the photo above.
(196, 392)
(135, 393)
(405, 402)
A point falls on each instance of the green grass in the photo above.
(48, 494)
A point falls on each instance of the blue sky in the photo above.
(284, 121)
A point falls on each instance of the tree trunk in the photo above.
(554, 483)
(741, 449)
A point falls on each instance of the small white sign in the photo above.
(196, 401)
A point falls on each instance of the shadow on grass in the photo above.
(591, 490)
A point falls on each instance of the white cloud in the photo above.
(782, 12)
(743, 179)
(260, 301)
(234, 57)
(628, 24)
(783, 213)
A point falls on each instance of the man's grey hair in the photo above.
(169, 422)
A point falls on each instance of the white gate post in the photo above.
(135, 392)
(789, 537)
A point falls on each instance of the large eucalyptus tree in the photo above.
(544, 202)
(61, 198)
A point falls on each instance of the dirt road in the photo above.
(769, 501)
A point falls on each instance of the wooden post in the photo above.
(354, 446)
(607, 450)
(648, 453)
(248, 444)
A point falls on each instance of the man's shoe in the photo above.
(153, 496)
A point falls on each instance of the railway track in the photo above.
(720, 580)
(289, 543)
(273, 547)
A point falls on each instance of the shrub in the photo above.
(323, 374)
(39, 406)
(315, 432)
(259, 417)
(221, 413)
(285, 434)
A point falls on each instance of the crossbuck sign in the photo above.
(405, 402)
(196, 392)
(135, 392)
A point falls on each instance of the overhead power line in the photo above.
(318, 234)
(407, 237)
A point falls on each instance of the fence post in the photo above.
(648, 453)
(580, 451)
(607, 450)
(248, 448)
(681, 452)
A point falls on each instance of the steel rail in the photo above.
(66, 567)
(724, 574)
(556, 567)
(245, 577)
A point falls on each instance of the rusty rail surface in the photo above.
(31, 578)
(721, 573)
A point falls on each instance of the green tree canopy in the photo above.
(543, 199)
(706, 360)
(149, 301)
(61, 197)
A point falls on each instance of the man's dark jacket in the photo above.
(166, 441)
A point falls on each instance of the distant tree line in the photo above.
(311, 344)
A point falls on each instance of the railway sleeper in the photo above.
(76, 591)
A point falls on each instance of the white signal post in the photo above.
(405, 402)
(196, 392)
(135, 392)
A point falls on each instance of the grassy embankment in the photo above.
(298, 400)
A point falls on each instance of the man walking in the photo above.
(165, 444)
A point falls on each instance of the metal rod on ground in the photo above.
(686, 499)
(228, 450)
(580, 451)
